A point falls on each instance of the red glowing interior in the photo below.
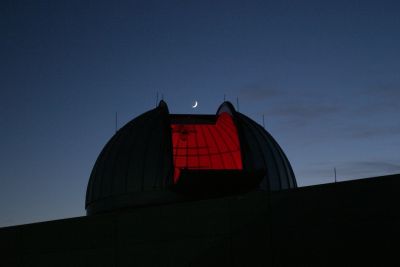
(206, 146)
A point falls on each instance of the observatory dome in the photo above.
(160, 157)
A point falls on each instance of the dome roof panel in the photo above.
(137, 159)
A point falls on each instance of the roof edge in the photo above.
(228, 107)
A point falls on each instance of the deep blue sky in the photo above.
(324, 73)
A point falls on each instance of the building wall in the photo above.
(227, 231)
(355, 223)
(343, 224)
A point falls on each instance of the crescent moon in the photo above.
(195, 104)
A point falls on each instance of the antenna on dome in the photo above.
(263, 121)
(116, 121)
(224, 97)
(157, 99)
(334, 170)
(162, 97)
(237, 103)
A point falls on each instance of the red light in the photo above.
(206, 146)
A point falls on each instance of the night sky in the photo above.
(326, 75)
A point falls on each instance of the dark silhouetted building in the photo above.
(211, 190)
